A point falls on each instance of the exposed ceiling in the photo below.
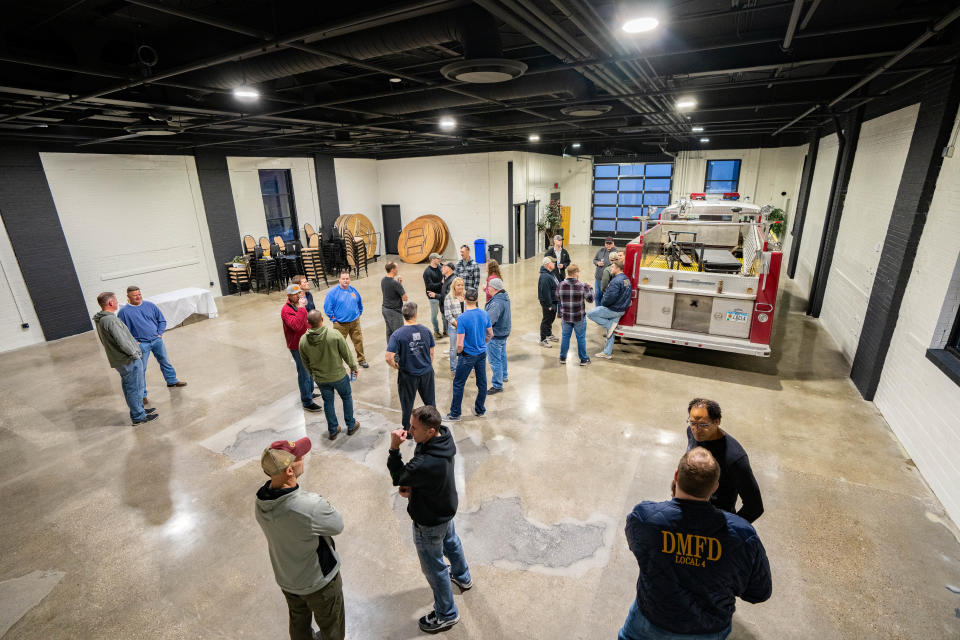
(375, 79)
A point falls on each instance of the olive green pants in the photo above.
(326, 607)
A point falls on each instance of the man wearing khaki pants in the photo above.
(344, 307)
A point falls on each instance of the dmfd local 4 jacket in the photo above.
(695, 560)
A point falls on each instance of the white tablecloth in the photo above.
(179, 305)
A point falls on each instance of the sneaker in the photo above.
(181, 383)
(148, 418)
(545, 343)
(353, 429)
(480, 415)
(563, 361)
(451, 418)
(316, 395)
(584, 363)
(603, 355)
(464, 586)
(430, 623)
(333, 436)
(150, 410)
(365, 365)
(506, 379)
(313, 407)
(610, 331)
(493, 390)
(553, 338)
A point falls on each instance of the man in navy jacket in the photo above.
(694, 559)
(615, 302)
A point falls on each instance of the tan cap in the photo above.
(281, 454)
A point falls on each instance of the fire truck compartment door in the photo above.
(654, 309)
(692, 313)
(731, 317)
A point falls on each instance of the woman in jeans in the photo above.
(452, 307)
(493, 271)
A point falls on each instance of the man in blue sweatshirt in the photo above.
(615, 302)
(147, 324)
(694, 559)
(344, 307)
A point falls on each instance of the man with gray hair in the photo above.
(498, 308)
(410, 352)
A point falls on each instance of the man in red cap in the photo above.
(294, 317)
(299, 526)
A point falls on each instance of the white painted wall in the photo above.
(358, 189)
(576, 191)
(917, 400)
(16, 306)
(132, 219)
(816, 211)
(877, 166)
(245, 184)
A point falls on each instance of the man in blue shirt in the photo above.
(147, 324)
(614, 303)
(343, 306)
(694, 559)
(498, 308)
(410, 352)
(474, 331)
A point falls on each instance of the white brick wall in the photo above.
(877, 167)
(358, 189)
(816, 211)
(132, 219)
(918, 401)
(245, 184)
(14, 294)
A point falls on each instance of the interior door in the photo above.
(530, 229)
(391, 227)
(517, 217)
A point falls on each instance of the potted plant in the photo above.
(777, 219)
(238, 261)
(550, 223)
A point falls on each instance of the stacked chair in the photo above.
(264, 270)
(312, 258)
(287, 259)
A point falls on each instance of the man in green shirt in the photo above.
(323, 352)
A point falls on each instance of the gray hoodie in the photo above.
(121, 347)
(298, 526)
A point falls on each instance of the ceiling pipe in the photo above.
(933, 30)
(809, 14)
(792, 25)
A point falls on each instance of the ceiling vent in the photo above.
(586, 110)
(483, 70)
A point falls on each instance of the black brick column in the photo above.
(33, 225)
(838, 194)
(939, 101)
(806, 183)
(326, 191)
(220, 211)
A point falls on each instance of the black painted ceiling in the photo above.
(111, 75)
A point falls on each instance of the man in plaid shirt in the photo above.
(573, 316)
(467, 269)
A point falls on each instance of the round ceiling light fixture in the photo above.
(641, 25)
(686, 103)
(246, 93)
(483, 70)
(447, 123)
(534, 137)
(396, 80)
(586, 110)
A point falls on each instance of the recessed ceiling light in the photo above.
(697, 129)
(575, 145)
(534, 137)
(447, 122)
(686, 103)
(704, 139)
(246, 93)
(396, 80)
(639, 25)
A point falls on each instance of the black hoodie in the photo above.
(433, 499)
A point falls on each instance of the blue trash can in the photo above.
(480, 250)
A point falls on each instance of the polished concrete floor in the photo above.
(110, 531)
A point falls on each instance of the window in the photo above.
(945, 353)
(277, 191)
(623, 192)
(723, 176)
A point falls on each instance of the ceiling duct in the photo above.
(586, 110)
(473, 28)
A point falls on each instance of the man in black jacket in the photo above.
(428, 482)
(563, 258)
(736, 476)
(433, 281)
(549, 300)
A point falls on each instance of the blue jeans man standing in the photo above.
(497, 351)
(465, 364)
(580, 329)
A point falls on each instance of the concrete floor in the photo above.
(109, 531)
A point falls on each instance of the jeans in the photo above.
(160, 350)
(546, 322)
(453, 348)
(131, 381)
(408, 385)
(435, 310)
(432, 544)
(497, 352)
(465, 365)
(579, 328)
(637, 627)
(393, 320)
(304, 379)
(326, 606)
(342, 387)
(605, 317)
(597, 293)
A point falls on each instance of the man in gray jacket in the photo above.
(123, 354)
(299, 526)
(601, 261)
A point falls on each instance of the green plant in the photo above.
(237, 260)
(777, 219)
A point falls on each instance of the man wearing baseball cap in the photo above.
(474, 331)
(294, 317)
(498, 308)
(601, 261)
(299, 526)
(433, 281)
